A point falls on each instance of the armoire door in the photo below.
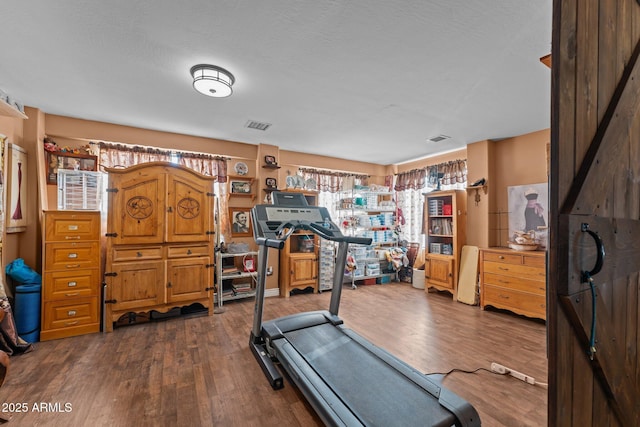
(189, 208)
(136, 207)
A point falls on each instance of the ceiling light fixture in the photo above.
(211, 80)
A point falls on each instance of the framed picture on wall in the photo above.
(240, 186)
(16, 213)
(271, 183)
(63, 160)
(240, 222)
(529, 210)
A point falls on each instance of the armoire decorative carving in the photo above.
(160, 242)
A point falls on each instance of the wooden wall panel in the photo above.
(595, 43)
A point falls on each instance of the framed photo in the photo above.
(63, 160)
(270, 160)
(271, 183)
(240, 222)
(240, 186)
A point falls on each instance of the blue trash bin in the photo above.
(27, 311)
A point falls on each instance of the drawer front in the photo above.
(60, 285)
(72, 226)
(65, 314)
(502, 257)
(67, 256)
(137, 253)
(534, 261)
(187, 251)
(519, 302)
(523, 271)
(516, 283)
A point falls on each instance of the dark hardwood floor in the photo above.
(199, 371)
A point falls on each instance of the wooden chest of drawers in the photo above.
(71, 279)
(513, 280)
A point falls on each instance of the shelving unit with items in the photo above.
(445, 225)
(366, 213)
(235, 276)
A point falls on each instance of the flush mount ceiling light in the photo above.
(211, 80)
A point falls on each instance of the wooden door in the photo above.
(303, 271)
(594, 256)
(189, 208)
(136, 206)
(440, 272)
(188, 279)
(136, 285)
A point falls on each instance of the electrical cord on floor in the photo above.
(465, 371)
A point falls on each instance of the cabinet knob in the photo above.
(169, 284)
(500, 257)
(138, 254)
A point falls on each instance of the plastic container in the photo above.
(27, 311)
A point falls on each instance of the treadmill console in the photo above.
(273, 224)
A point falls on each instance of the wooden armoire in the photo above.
(160, 242)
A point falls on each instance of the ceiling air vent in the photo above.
(438, 138)
(252, 124)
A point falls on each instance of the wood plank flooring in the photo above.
(199, 371)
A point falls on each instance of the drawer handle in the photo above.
(500, 257)
(72, 323)
(189, 252)
(73, 265)
(503, 269)
(138, 254)
(72, 255)
(72, 294)
(71, 313)
(72, 237)
(503, 296)
(72, 284)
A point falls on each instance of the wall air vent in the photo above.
(438, 138)
(252, 124)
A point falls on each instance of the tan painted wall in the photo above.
(514, 161)
(519, 160)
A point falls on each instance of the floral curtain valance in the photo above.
(413, 180)
(331, 181)
(205, 164)
(449, 174)
(121, 155)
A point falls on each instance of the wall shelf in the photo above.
(477, 188)
(10, 111)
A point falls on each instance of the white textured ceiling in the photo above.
(369, 80)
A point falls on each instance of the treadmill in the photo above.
(346, 379)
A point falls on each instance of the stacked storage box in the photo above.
(326, 265)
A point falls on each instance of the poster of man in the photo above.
(240, 222)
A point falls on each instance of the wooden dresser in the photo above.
(514, 280)
(71, 279)
(159, 240)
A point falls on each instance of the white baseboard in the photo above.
(273, 292)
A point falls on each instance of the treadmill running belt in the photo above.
(377, 393)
